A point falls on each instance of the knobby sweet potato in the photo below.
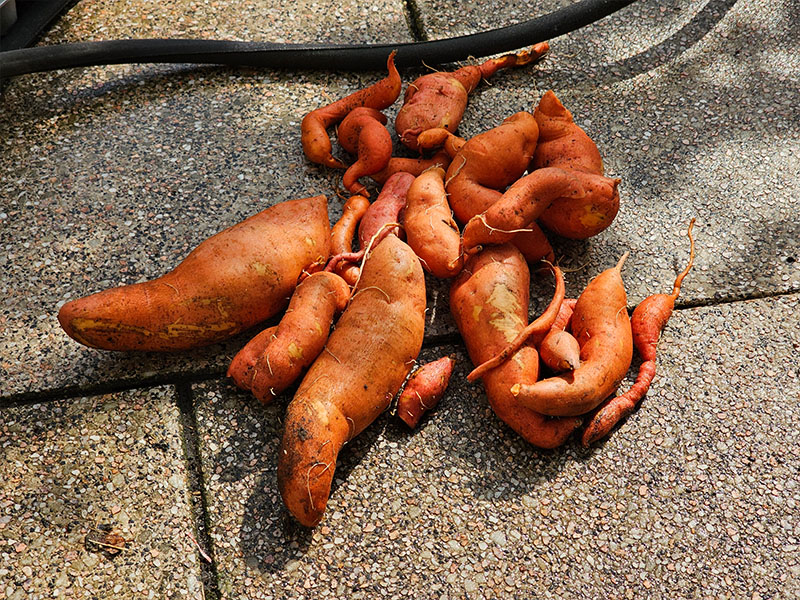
(430, 229)
(314, 127)
(230, 282)
(367, 358)
(297, 341)
(439, 99)
(489, 302)
(424, 389)
(601, 325)
(562, 143)
(363, 133)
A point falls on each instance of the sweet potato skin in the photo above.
(362, 132)
(488, 163)
(313, 129)
(342, 234)
(602, 327)
(424, 389)
(489, 302)
(415, 166)
(430, 229)
(229, 283)
(298, 339)
(369, 355)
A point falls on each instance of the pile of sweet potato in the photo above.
(467, 210)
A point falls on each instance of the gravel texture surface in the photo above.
(94, 500)
(695, 495)
(111, 175)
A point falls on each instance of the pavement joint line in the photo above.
(198, 500)
(415, 21)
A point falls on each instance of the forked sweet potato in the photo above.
(230, 282)
(363, 133)
(488, 163)
(367, 358)
(430, 229)
(424, 389)
(601, 325)
(297, 341)
(314, 127)
(489, 302)
(562, 143)
(439, 99)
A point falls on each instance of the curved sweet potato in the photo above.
(439, 99)
(439, 137)
(369, 354)
(230, 282)
(342, 234)
(313, 129)
(601, 325)
(430, 229)
(362, 132)
(488, 163)
(562, 143)
(415, 166)
(297, 341)
(489, 302)
(424, 389)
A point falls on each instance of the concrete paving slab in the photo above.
(94, 500)
(695, 495)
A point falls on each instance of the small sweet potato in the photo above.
(363, 133)
(230, 282)
(297, 341)
(439, 137)
(415, 166)
(488, 163)
(601, 325)
(430, 229)
(313, 129)
(367, 357)
(489, 302)
(342, 234)
(439, 99)
(424, 389)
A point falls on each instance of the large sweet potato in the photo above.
(230, 282)
(368, 355)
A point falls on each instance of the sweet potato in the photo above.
(415, 166)
(430, 229)
(519, 206)
(363, 133)
(313, 129)
(489, 302)
(424, 389)
(601, 325)
(439, 137)
(647, 322)
(342, 234)
(241, 367)
(559, 349)
(531, 334)
(439, 99)
(562, 143)
(534, 245)
(230, 282)
(488, 163)
(369, 354)
(298, 340)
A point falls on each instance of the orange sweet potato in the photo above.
(230, 282)
(562, 143)
(601, 325)
(439, 137)
(369, 354)
(415, 166)
(313, 129)
(342, 234)
(298, 340)
(362, 132)
(559, 349)
(647, 322)
(430, 229)
(439, 99)
(241, 367)
(488, 163)
(489, 302)
(424, 389)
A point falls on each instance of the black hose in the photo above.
(367, 57)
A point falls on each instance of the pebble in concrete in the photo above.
(94, 500)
